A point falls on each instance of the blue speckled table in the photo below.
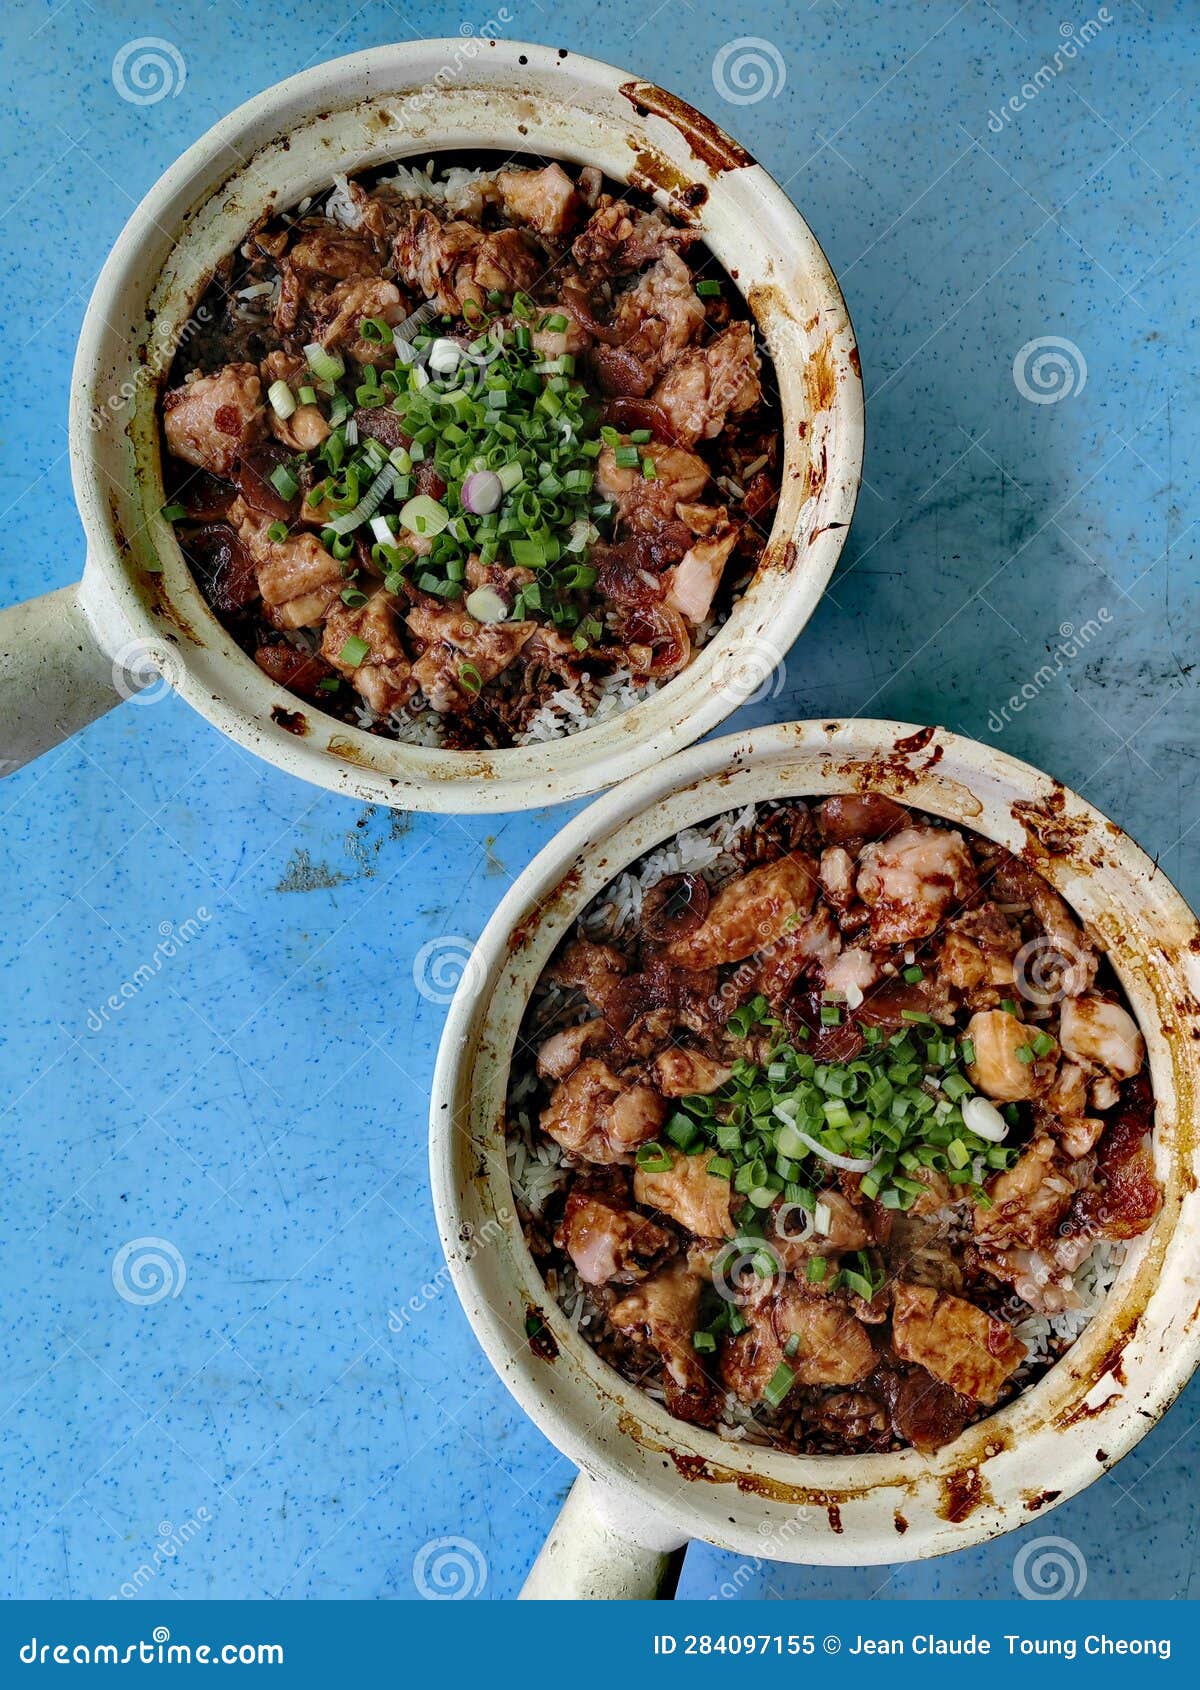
(1025, 533)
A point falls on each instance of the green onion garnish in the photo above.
(353, 652)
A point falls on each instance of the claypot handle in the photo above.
(590, 1557)
(55, 676)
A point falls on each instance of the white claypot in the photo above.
(64, 658)
(650, 1481)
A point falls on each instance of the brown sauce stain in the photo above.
(339, 746)
(900, 1523)
(541, 1340)
(294, 721)
(855, 362)
(689, 1466)
(820, 377)
(653, 172)
(1039, 1499)
(834, 1514)
(962, 1493)
(818, 473)
(710, 144)
(1050, 825)
(915, 742)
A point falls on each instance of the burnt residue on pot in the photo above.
(654, 173)
(1036, 1500)
(1046, 819)
(962, 1493)
(541, 1340)
(834, 1515)
(293, 721)
(710, 144)
(900, 1523)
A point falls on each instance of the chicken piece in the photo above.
(437, 259)
(851, 818)
(857, 1419)
(709, 384)
(212, 421)
(298, 579)
(298, 671)
(1126, 1195)
(687, 1192)
(851, 975)
(609, 1241)
(937, 1194)
(978, 950)
(954, 1341)
(663, 1312)
(1029, 1199)
(687, 1073)
(616, 239)
(1075, 968)
(383, 675)
(642, 504)
(748, 913)
(343, 311)
(544, 199)
(320, 257)
(657, 643)
(1005, 1067)
(461, 655)
(1063, 1111)
(599, 1117)
(833, 1347)
(808, 952)
(911, 879)
(749, 1361)
(661, 315)
(837, 876)
(556, 343)
(597, 970)
(694, 580)
(701, 519)
(564, 1051)
(839, 1226)
(1100, 1032)
(506, 264)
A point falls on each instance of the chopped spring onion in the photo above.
(347, 521)
(817, 1268)
(486, 605)
(277, 532)
(779, 1384)
(981, 1117)
(424, 515)
(284, 482)
(445, 356)
(326, 366)
(173, 513)
(281, 398)
(353, 652)
(709, 289)
(654, 1157)
(470, 678)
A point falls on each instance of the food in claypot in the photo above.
(829, 1125)
(471, 457)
